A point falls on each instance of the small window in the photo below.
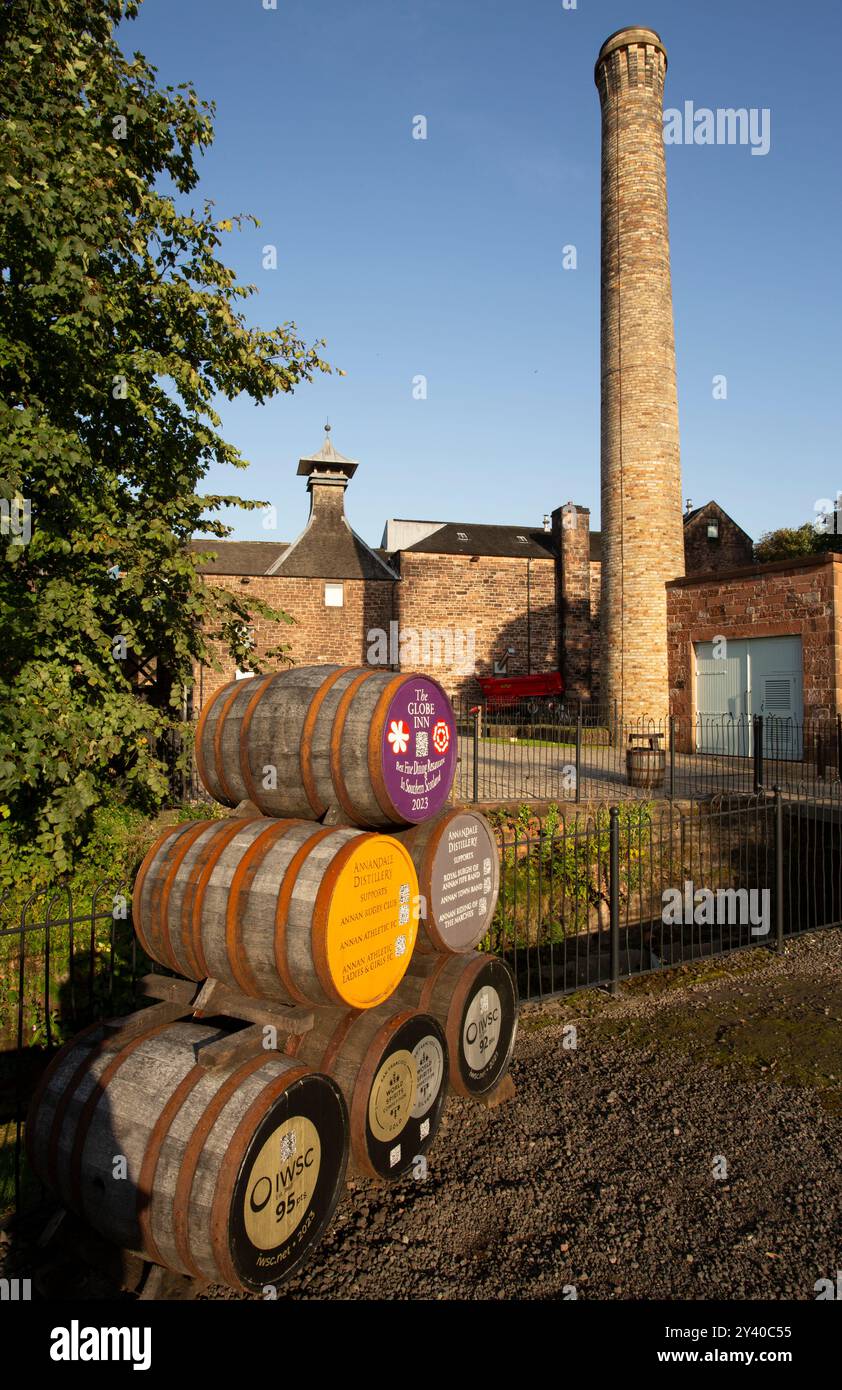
(713, 530)
(334, 595)
(461, 536)
(522, 539)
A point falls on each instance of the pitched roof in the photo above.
(697, 511)
(467, 538)
(239, 557)
(330, 550)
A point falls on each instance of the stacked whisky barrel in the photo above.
(355, 948)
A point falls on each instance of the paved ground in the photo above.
(599, 1177)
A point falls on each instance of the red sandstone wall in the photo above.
(780, 600)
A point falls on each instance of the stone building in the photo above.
(660, 612)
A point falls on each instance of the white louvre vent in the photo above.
(777, 694)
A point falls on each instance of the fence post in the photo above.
(757, 730)
(476, 754)
(672, 756)
(579, 753)
(779, 870)
(614, 895)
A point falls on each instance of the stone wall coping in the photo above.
(795, 562)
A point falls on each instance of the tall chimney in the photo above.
(642, 530)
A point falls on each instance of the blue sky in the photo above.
(443, 256)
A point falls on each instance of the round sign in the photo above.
(406, 1097)
(464, 881)
(429, 1064)
(419, 749)
(488, 1026)
(289, 1181)
(371, 920)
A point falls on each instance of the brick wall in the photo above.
(486, 596)
(319, 634)
(733, 549)
(789, 598)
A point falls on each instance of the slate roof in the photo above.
(330, 550)
(485, 540)
(239, 557)
(697, 511)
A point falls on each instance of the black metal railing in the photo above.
(545, 750)
(592, 896)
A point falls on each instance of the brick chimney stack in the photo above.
(642, 536)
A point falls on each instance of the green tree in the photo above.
(787, 542)
(119, 328)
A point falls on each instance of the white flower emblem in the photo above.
(398, 736)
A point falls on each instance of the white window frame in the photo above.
(334, 594)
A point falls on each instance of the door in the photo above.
(723, 724)
(743, 677)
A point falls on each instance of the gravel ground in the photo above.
(599, 1175)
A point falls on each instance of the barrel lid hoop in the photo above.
(375, 749)
(192, 1154)
(305, 746)
(455, 1008)
(237, 897)
(137, 892)
(363, 1084)
(198, 750)
(336, 773)
(149, 1163)
(229, 1168)
(227, 794)
(93, 1100)
(261, 685)
(321, 913)
(282, 910)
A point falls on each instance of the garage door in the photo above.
(740, 678)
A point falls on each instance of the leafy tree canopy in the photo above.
(787, 542)
(119, 327)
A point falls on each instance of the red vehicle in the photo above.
(503, 692)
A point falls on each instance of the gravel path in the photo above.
(600, 1174)
(599, 1177)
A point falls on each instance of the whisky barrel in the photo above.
(380, 748)
(458, 866)
(227, 1173)
(474, 998)
(391, 1065)
(280, 909)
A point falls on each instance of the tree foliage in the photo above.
(790, 542)
(119, 329)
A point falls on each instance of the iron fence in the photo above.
(593, 896)
(545, 750)
(588, 896)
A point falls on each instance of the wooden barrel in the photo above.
(458, 866)
(474, 998)
(227, 1173)
(378, 747)
(280, 909)
(391, 1065)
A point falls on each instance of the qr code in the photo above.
(400, 944)
(483, 1002)
(403, 914)
(486, 884)
(403, 893)
(395, 1156)
(482, 906)
(486, 866)
(287, 1145)
(425, 1128)
(422, 743)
